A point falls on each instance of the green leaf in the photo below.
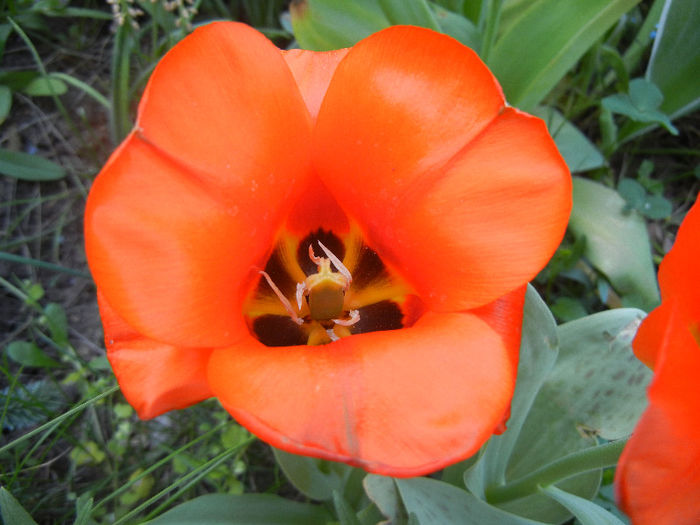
(83, 509)
(315, 478)
(587, 512)
(656, 207)
(675, 57)
(5, 102)
(12, 512)
(24, 166)
(530, 58)
(617, 243)
(568, 309)
(248, 509)
(29, 354)
(433, 501)
(640, 104)
(383, 492)
(458, 27)
(55, 317)
(409, 12)
(45, 87)
(633, 193)
(321, 25)
(597, 379)
(579, 153)
(345, 514)
(538, 353)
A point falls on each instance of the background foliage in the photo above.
(616, 82)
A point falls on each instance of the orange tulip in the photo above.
(427, 205)
(658, 477)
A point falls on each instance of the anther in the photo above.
(354, 318)
(336, 262)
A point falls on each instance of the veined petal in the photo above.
(312, 72)
(468, 199)
(167, 253)
(482, 225)
(154, 377)
(402, 102)
(658, 476)
(401, 403)
(224, 102)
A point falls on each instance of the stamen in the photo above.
(354, 318)
(332, 335)
(283, 299)
(336, 262)
(301, 289)
(317, 260)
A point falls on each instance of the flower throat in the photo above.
(304, 298)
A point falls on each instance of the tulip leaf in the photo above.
(617, 243)
(315, 478)
(433, 501)
(675, 57)
(45, 86)
(529, 58)
(587, 512)
(383, 492)
(248, 509)
(579, 153)
(538, 352)
(24, 166)
(322, 25)
(11, 510)
(597, 378)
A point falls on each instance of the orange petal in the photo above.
(481, 226)
(658, 477)
(651, 334)
(312, 72)
(224, 102)
(678, 272)
(168, 255)
(467, 199)
(402, 403)
(154, 377)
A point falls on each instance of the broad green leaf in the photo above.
(45, 87)
(24, 166)
(345, 514)
(434, 501)
(587, 512)
(315, 478)
(617, 243)
(29, 354)
(11, 510)
(538, 352)
(321, 25)
(383, 492)
(674, 65)
(597, 379)
(457, 26)
(5, 102)
(248, 509)
(409, 12)
(83, 509)
(579, 153)
(545, 40)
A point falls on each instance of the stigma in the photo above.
(324, 292)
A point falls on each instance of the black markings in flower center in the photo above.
(373, 293)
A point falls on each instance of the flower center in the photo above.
(306, 298)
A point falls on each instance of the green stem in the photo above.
(591, 458)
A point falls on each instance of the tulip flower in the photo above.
(658, 476)
(335, 245)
